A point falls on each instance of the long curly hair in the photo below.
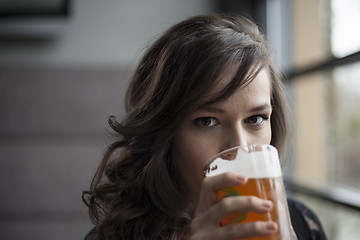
(137, 191)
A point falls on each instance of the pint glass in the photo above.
(260, 164)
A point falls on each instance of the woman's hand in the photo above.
(209, 212)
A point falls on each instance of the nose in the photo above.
(237, 136)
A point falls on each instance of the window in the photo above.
(325, 90)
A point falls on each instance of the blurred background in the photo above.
(64, 68)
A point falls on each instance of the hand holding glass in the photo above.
(260, 164)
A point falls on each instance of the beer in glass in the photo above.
(260, 164)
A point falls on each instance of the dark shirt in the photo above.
(304, 221)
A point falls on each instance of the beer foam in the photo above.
(258, 164)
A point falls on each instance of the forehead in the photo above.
(255, 81)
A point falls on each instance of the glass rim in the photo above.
(257, 147)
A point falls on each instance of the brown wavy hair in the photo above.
(137, 191)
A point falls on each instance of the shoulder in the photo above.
(90, 235)
(305, 222)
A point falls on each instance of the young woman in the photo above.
(207, 84)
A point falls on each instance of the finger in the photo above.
(241, 204)
(244, 230)
(210, 185)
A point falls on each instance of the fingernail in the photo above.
(241, 179)
(271, 226)
(267, 204)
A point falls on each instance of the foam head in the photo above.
(258, 161)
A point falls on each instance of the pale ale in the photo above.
(265, 188)
(260, 164)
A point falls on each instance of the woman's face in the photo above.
(241, 119)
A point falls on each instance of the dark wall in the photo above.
(254, 9)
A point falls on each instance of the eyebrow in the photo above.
(210, 108)
(261, 107)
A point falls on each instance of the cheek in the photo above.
(266, 136)
(191, 152)
(269, 133)
(260, 137)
